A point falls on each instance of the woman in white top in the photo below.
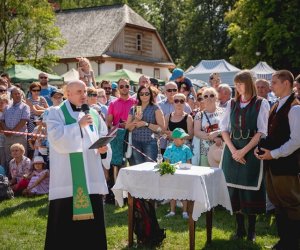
(244, 121)
(206, 125)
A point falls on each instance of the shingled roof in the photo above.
(90, 31)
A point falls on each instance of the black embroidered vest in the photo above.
(278, 134)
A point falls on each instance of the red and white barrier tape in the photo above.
(139, 151)
(22, 133)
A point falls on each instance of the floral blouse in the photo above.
(18, 170)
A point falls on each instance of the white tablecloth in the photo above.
(204, 185)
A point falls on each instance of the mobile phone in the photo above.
(138, 110)
(259, 145)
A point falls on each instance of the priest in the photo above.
(77, 181)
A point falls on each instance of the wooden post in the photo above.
(192, 225)
(130, 220)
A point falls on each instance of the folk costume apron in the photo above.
(245, 181)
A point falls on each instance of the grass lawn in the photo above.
(23, 226)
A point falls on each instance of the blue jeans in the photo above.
(149, 148)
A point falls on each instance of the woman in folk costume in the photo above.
(244, 121)
(77, 181)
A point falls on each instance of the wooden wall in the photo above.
(126, 43)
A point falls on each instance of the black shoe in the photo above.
(251, 236)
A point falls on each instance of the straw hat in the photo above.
(214, 155)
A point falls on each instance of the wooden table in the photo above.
(196, 185)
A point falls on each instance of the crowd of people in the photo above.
(44, 138)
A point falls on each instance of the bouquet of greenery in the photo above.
(166, 168)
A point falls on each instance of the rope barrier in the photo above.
(22, 133)
(139, 151)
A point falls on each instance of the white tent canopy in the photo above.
(70, 75)
(203, 70)
(263, 70)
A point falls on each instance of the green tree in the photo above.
(28, 33)
(266, 31)
(205, 36)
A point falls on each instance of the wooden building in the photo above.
(112, 37)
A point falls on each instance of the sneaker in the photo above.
(185, 215)
(171, 214)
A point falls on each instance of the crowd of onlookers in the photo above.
(147, 118)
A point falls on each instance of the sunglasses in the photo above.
(92, 95)
(199, 99)
(107, 88)
(124, 86)
(179, 100)
(211, 96)
(171, 90)
(144, 94)
(35, 90)
(43, 77)
(3, 90)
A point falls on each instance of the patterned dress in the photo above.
(43, 186)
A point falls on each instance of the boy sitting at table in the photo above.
(174, 153)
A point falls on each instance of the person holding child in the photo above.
(86, 73)
(39, 178)
(178, 152)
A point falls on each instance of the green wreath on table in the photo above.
(166, 168)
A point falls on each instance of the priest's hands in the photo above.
(102, 150)
(86, 120)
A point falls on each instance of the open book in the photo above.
(104, 140)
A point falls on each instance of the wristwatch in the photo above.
(146, 124)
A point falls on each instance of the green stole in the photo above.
(82, 208)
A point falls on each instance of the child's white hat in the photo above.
(38, 159)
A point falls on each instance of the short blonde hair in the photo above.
(4, 97)
(210, 89)
(181, 95)
(18, 146)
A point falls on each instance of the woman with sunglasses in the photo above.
(37, 104)
(244, 121)
(206, 125)
(186, 90)
(92, 101)
(143, 120)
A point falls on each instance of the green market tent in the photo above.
(24, 73)
(133, 77)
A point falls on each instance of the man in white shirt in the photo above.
(77, 181)
(281, 154)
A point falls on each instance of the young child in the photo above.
(39, 178)
(174, 153)
(4, 100)
(40, 144)
(86, 73)
(19, 168)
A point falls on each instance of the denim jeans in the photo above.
(149, 148)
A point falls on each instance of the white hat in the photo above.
(38, 159)
(214, 155)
